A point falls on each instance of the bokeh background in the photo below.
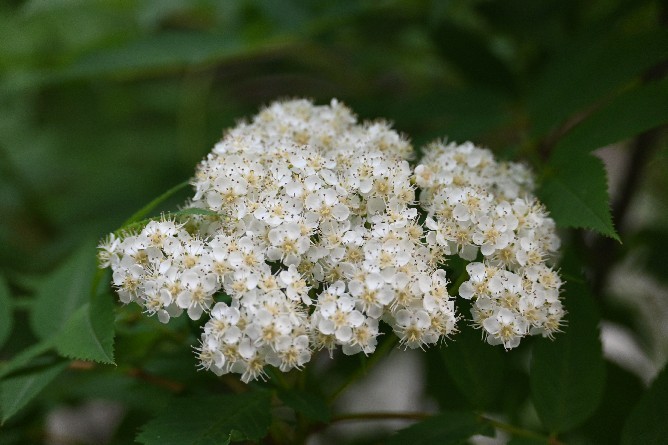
(105, 104)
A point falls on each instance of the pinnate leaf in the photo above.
(647, 424)
(446, 428)
(63, 292)
(210, 420)
(5, 312)
(568, 374)
(575, 193)
(17, 391)
(89, 333)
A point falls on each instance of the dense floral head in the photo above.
(319, 237)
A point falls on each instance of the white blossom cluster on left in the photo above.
(316, 242)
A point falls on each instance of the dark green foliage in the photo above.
(476, 369)
(621, 394)
(212, 420)
(6, 316)
(647, 422)
(628, 114)
(17, 391)
(62, 293)
(89, 333)
(307, 403)
(446, 428)
(568, 374)
(575, 191)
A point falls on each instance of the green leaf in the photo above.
(627, 115)
(575, 193)
(475, 367)
(309, 404)
(211, 420)
(63, 292)
(647, 424)
(568, 373)
(6, 316)
(588, 68)
(16, 392)
(25, 357)
(446, 428)
(89, 333)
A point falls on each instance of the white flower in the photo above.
(294, 284)
(371, 294)
(505, 328)
(337, 316)
(198, 293)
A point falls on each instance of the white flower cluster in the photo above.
(476, 204)
(319, 238)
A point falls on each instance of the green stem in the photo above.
(515, 430)
(362, 370)
(148, 208)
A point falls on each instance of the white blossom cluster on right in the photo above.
(475, 204)
(319, 236)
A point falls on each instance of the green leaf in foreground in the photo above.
(63, 292)
(307, 403)
(25, 357)
(6, 318)
(211, 420)
(627, 115)
(568, 374)
(647, 424)
(89, 333)
(446, 428)
(576, 194)
(16, 392)
(476, 368)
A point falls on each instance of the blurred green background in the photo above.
(104, 104)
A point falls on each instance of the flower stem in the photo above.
(517, 431)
